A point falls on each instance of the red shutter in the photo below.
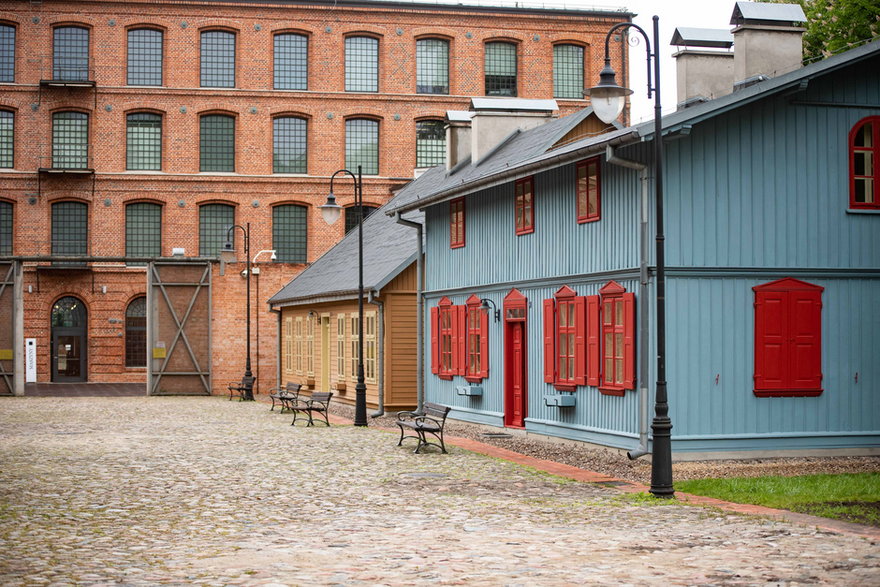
(459, 340)
(580, 340)
(549, 339)
(771, 366)
(805, 333)
(629, 341)
(594, 329)
(484, 344)
(435, 340)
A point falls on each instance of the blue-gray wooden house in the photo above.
(772, 213)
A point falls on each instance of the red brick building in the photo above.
(130, 129)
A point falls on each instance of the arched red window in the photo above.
(864, 159)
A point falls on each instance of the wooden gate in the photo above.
(7, 328)
(179, 328)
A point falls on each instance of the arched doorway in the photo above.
(69, 340)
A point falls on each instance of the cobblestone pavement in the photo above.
(146, 491)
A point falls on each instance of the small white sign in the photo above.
(30, 360)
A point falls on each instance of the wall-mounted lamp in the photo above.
(273, 257)
(312, 313)
(485, 306)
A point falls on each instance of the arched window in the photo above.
(362, 145)
(289, 141)
(143, 230)
(143, 141)
(214, 222)
(217, 143)
(145, 57)
(70, 228)
(351, 216)
(291, 61)
(864, 146)
(5, 228)
(70, 140)
(361, 64)
(500, 69)
(7, 53)
(7, 139)
(432, 66)
(568, 71)
(290, 233)
(136, 333)
(430, 143)
(70, 53)
(218, 59)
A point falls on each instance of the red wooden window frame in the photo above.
(524, 205)
(611, 349)
(451, 336)
(456, 223)
(565, 356)
(476, 358)
(788, 338)
(589, 190)
(870, 166)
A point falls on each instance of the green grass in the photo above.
(849, 497)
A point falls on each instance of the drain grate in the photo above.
(496, 435)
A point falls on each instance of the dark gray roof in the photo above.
(766, 13)
(389, 248)
(528, 153)
(695, 37)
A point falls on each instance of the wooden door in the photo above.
(516, 398)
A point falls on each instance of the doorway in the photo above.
(69, 320)
(515, 360)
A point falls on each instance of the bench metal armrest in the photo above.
(407, 415)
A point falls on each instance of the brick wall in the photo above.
(252, 189)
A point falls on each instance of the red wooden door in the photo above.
(515, 398)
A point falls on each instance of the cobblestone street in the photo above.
(146, 491)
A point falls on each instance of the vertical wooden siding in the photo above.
(712, 338)
(768, 185)
(558, 247)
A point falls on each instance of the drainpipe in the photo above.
(381, 354)
(420, 311)
(612, 158)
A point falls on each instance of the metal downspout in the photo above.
(420, 311)
(612, 158)
(380, 411)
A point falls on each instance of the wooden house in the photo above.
(772, 213)
(318, 329)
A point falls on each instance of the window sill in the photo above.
(615, 391)
(788, 392)
(473, 379)
(445, 376)
(862, 211)
(565, 387)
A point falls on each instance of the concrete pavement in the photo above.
(146, 491)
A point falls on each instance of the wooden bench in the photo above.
(241, 388)
(283, 395)
(316, 404)
(430, 421)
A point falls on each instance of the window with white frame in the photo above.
(288, 344)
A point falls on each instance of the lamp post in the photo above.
(607, 99)
(228, 252)
(331, 212)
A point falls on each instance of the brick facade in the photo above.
(180, 188)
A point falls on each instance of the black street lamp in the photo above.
(331, 212)
(607, 99)
(228, 254)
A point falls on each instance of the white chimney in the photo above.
(494, 119)
(703, 63)
(768, 39)
(458, 137)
